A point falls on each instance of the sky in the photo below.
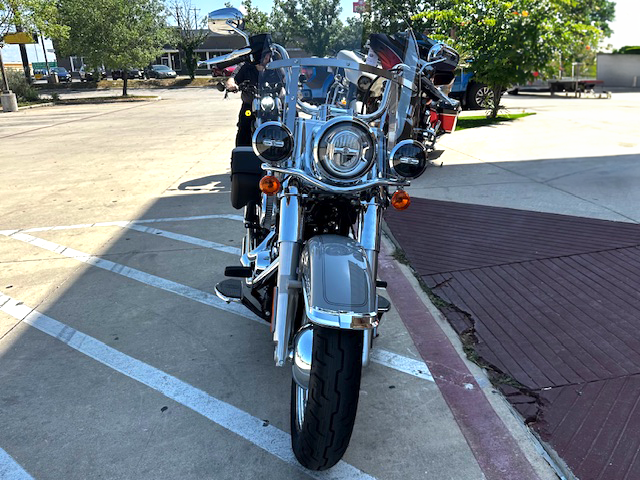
(625, 26)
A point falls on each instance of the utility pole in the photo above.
(195, 18)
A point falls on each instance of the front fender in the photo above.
(338, 285)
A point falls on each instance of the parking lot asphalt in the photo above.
(117, 361)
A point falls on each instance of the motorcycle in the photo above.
(314, 186)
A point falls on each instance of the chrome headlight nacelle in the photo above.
(408, 159)
(272, 142)
(344, 149)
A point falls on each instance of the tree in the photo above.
(30, 16)
(286, 23)
(311, 24)
(255, 20)
(118, 34)
(191, 32)
(508, 40)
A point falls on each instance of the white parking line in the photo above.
(416, 368)
(269, 438)
(185, 238)
(407, 365)
(122, 223)
(9, 469)
(138, 275)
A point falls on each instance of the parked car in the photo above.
(40, 74)
(223, 72)
(159, 71)
(90, 75)
(132, 73)
(63, 74)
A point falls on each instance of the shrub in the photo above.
(18, 85)
(630, 50)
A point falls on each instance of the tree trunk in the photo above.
(125, 79)
(497, 96)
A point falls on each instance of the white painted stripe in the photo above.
(185, 238)
(123, 223)
(140, 276)
(383, 357)
(269, 438)
(10, 470)
(417, 368)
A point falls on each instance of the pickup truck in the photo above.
(472, 95)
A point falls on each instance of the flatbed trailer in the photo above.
(579, 87)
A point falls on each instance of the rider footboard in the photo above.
(245, 177)
(337, 282)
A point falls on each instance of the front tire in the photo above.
(322, 416)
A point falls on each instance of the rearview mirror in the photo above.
(226, 21)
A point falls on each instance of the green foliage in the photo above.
(509, 40)
(189, 34)
(18, 85)
(115, 33)
(629, 50)
(32, 15)
(255, 20)
(311, 24)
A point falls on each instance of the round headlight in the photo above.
(345, 149)
(273, 142)
(267, 103)
(408, 159)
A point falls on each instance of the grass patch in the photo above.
(97, 100)
(37, 102)
(137, 83)
(162, 83)
(482, 120)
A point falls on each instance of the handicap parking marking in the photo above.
(9, 468)
(269, 438)
(400, 363)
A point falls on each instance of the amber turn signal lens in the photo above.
(401, 200)
(269, 185)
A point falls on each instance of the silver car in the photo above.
(161, 71)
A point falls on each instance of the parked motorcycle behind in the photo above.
(314, 186)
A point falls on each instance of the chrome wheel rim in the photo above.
(484, 97)
(302, 394)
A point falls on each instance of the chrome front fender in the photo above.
(338, 283)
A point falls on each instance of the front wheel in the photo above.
(323, 415)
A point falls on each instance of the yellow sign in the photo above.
(19, 37)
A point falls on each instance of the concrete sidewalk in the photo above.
(575, 157)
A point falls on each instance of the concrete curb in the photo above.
(37, 105)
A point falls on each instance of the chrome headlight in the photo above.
(267, 103)
(345, 149)
(272, 142)
(408, 159)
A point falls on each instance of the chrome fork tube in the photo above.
(369, 238)
(287, 290)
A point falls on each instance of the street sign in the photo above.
(358, 7)
(18, 38)
(42, 65)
